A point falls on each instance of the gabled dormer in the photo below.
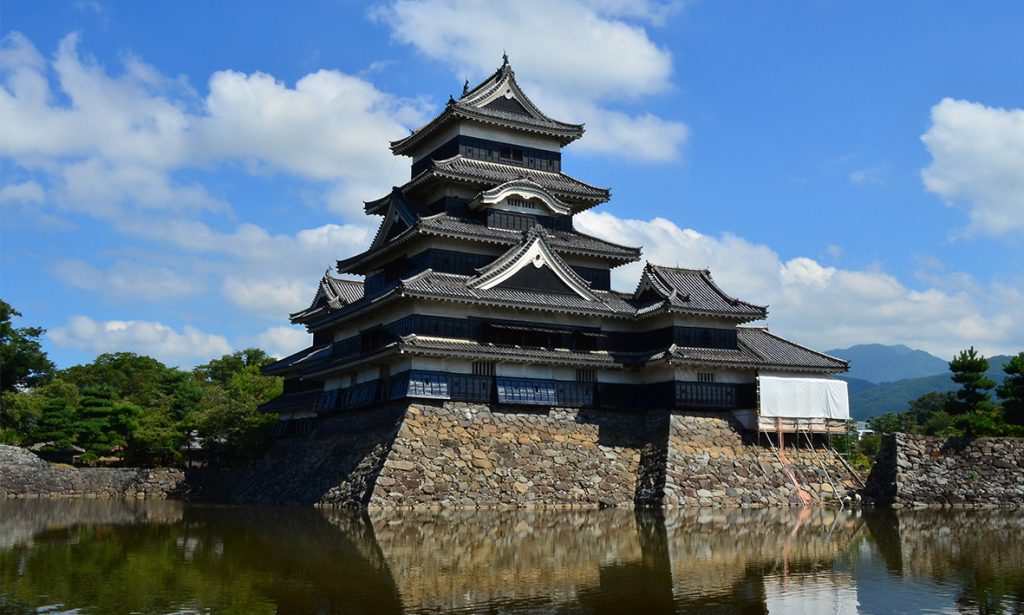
(494, 121)
(521, 196)
(690, 291)
(532, 265)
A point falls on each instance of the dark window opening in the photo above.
(483, 368)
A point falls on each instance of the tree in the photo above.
(57, 420)
(969, 372)
(1012, 390)
(223, 369)
(104, 423)
(23, 363)
(233, 389)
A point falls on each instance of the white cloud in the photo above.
(276, 297)
(154, 339)
(112, 143)
(283, 341)
(603, 58)
(128, 280)
(25, 192)
(869, 175)
(978, 163)
(826, 307)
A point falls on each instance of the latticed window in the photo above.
(483, 368)
(705, 377)
(586, 375)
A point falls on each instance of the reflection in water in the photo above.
(151, 557)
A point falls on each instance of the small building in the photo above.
(477, 287)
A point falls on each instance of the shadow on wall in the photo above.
(336, 465)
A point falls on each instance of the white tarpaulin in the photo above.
(803, 398)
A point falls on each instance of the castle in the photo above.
(477, 288)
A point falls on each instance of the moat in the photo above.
(120, 556)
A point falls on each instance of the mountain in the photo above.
(880, 363)
(896, 396)
(856, 385)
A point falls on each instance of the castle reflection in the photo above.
(117, 556)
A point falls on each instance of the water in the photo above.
(90, 556)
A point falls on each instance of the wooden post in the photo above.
(778, 430)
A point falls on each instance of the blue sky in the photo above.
(176, 177)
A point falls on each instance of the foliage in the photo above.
(1012, 390)
(968, 370)
(230, 422)
(137, 409)
(968, 411)
(104, 424)
(23, 363)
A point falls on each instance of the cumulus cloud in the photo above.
(127, 280)
(113, 142)
(604, 58)
(823, 306)
(274, 297)
(283, 341)
(155, 339)
(25, 192)
(978, 163)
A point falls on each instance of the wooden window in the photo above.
(470, 388)
(575, 394)
(526, 392)
(586, 375)
(428, 384)
(483, 368)
(705, 377)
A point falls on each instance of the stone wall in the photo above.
(712, 461)
(25, 475)
(456, 454)
(461, 454)
(927, 471)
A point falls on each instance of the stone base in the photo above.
(463, 455)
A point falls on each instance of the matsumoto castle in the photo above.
(478, 288)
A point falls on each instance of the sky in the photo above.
(175, 177)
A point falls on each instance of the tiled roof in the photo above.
(444, 225)
(451, 287)
(690, 290)
(297, 360)
(488, 174)
(436, 346)
(475, 104)
(757, 348)
(292, 402)
(782, 352)
(331, 294)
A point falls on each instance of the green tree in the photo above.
(104, 424)
(142, 380)
(57, 420)
(1012, 390)
(969, 369)
(223, 369)
(23, 363)
(230, 421)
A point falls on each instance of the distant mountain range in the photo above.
(887, 378)
(879, 363)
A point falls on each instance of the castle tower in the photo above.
(477, 287)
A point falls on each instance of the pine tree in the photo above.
(969, 369)
(1012, 390)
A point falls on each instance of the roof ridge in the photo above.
(802, 347)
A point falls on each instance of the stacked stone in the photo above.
(468, 455)
(710, 464)
(24, 475)
(956, 472)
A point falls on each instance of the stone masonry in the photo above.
(24, 475)
(463, 455)
(955, 472)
